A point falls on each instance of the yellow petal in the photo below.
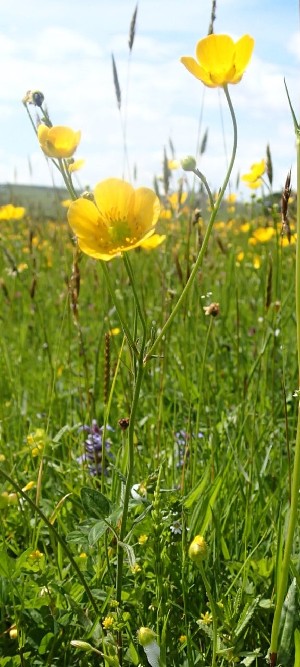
(146, 210)
(75, 166)
(153, 242)
(194, 68)
(215, 54)
(243, 52)
(85, 221)
(114, 197)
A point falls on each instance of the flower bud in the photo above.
(188, 163)
(83, 645)
(34, 97)
(198, 549)
(145, 636)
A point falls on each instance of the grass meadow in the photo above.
(149, 449)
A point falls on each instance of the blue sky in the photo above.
(64, 49)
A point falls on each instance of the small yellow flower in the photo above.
(264, 234)
(36, 441)
(245, 227)
(83, 555)
(29, 485)
(36, 555)
(136, 568)
(66, 203)
(253, 178)
(22, 267)
(115, 331)
(2, 458)
(220, 60)
(13, 632)
(118, 219)
(58, 141)
(143, 539)
(182, 639)
(256, 261)
(206, 618)
(240, 256)
(231, 198)
(176, 199)
(165, 214)
(145, 636)
(10, 212)
(198, 549)
(173, 164)
(108, 622)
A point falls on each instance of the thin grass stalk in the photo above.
(136, 394)
(285, 565)
(203, 249)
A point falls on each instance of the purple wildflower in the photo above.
(93, 448)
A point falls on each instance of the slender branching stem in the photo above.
(203, 248)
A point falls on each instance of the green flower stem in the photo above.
(67, 178)
(123, 323)
(207, 188)
(136, 393)
(213, 613)
(58, 537)
(203, 249)
(107, 413)
(283, 575)
(136, 298)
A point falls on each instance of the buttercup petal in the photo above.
(146, 209)
(114, 195)
(83, 218)
(216, 53)
(243, 52)
(194, 68)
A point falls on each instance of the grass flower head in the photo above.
(58, 141)
(118, 219)
(220, 60)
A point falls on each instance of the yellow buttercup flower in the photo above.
(118, 219)
(264, 234)
(10, 212)
(220, 60)
(253, 178)
(58, 141)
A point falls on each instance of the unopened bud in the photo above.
(145, 636)
(188, 163)
(34, 97)
(87, 194)
(198, 549)
(83, 645)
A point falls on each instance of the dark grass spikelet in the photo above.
(212, 17)
(132, 28)
(156, 186)
(269, 284)
(285, 229)
(178, 268)
(74, 286)
(203, 144)
(269, 165)
(106, 375)
(172, 149)
(166, 173)
(116, 82)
